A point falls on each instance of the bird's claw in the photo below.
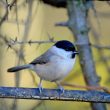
(40, 90)
(61, 90)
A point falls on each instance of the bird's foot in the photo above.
(40, 89)
(61, 90)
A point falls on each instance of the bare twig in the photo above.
(6, 13)
(13, 42)
(51, 40)
(21, 50)
(16, 9)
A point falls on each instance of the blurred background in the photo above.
(32, 20)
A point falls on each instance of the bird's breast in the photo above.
(55, 70)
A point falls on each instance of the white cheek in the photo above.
(69, 54)
(61, 52)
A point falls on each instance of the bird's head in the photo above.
(66, 47)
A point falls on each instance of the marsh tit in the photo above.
(54, 65)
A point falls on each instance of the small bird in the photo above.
(54, 65)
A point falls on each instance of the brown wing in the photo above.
(43, 59)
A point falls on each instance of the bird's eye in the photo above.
(67, 49)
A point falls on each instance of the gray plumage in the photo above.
(43, 59)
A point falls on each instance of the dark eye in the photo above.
(67, 49)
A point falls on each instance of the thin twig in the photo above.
(15, 42)
(21, 50)
(6, 13)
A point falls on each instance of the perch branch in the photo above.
(53, 94)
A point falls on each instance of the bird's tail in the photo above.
(18, 68)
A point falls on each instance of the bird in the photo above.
(54, 64)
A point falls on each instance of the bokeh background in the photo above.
(33, 20)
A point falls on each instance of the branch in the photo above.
(53, 94)
(6, 13)
(78, 24)
(30, 42)
(15, 42)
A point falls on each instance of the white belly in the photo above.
(55, 70)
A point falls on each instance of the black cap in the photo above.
(66, 45)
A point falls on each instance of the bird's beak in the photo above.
(76, 52)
